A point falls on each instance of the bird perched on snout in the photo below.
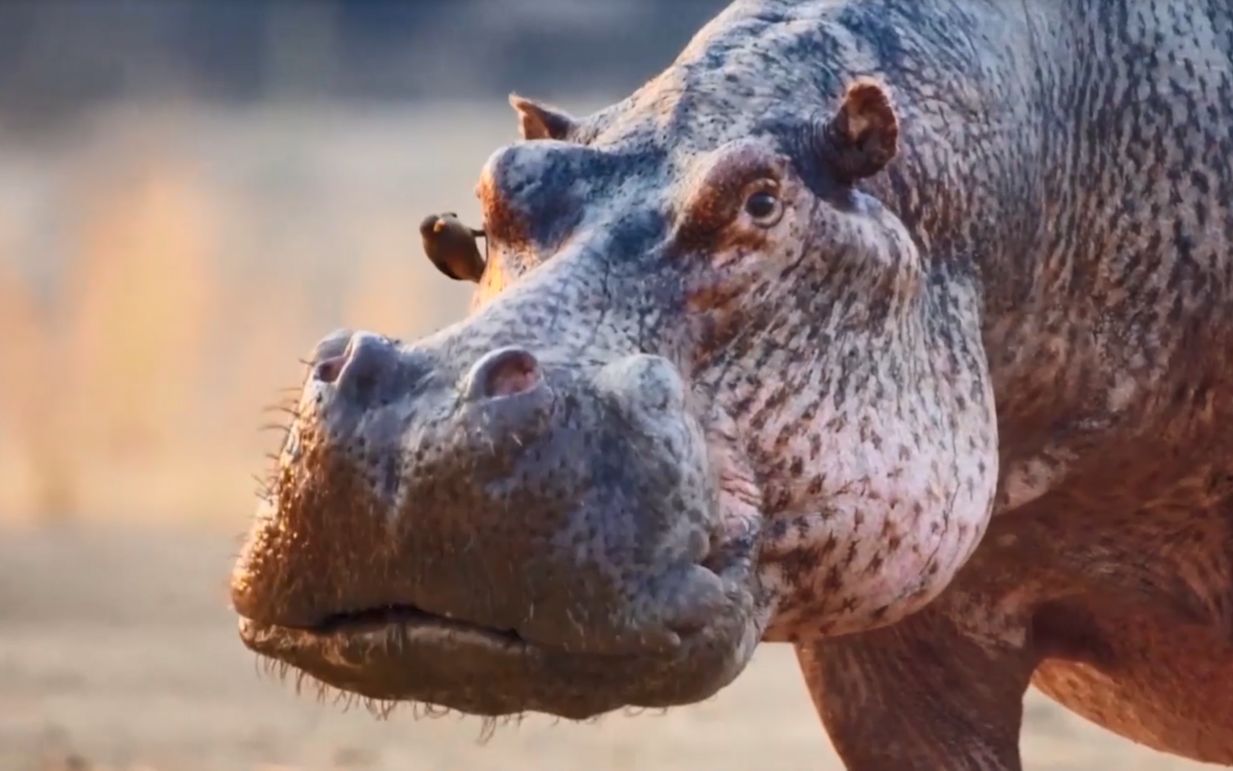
(452, 246)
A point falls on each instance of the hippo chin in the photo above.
(897, 330)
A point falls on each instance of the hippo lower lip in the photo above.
(460, 666)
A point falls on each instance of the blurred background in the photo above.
(191, 194)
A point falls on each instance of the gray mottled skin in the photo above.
(951, 429)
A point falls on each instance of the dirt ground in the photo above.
(117, 651)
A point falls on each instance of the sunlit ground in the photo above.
(160, 274)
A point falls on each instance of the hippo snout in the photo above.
(370, 388)
(445, 509)
(355, 364)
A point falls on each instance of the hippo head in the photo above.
(709, 393)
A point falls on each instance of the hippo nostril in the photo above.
(368, 360)
(504, 372)
(333, 344)
(327, 371)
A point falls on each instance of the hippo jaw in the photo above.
(585, 613)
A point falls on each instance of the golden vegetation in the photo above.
(159, 281)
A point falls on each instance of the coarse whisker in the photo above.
(488, 729)
(284, 408)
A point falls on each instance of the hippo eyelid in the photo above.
(720, 190)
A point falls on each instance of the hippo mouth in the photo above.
(401, 652)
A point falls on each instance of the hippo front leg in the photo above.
(921, 694)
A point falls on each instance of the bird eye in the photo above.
(764, 207)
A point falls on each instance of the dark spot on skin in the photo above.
(833, 581)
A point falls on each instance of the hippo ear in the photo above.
(538, 121)
(863, 136)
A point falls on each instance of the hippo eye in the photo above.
(764, 207)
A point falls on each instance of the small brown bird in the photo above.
(452, 247)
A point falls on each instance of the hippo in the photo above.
(898, 331)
